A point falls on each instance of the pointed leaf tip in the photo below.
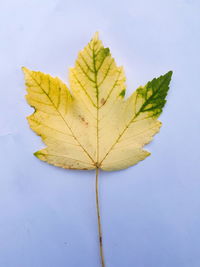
(170, 73)
(96, 36)
(36, 154)
(24, 69)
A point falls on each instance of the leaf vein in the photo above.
(85, 151)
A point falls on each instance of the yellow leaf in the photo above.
(91, 125)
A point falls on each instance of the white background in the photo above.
(150, 212)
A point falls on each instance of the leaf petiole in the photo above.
(99, 219)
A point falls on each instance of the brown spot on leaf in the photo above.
(103, 101)
(83, 120)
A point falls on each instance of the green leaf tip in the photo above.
(36, 154)
(154, 93)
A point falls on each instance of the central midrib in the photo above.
(97, 105)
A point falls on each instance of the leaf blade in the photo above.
(94, 125)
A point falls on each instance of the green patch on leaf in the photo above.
(122, 94)
(102, 54)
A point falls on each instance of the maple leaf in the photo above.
(93, 126)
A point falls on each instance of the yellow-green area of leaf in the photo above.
(92, 125)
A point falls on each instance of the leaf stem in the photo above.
(99, 219)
